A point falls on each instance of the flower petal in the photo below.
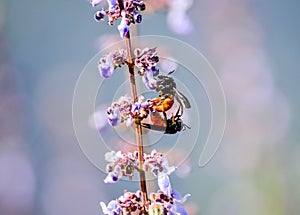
(106, 68)
(114, 117)
(178, 210)
(110, 208)
(164, 184)
(113, 177)
(129, 121)
(112, 5)
(110, 156)
(95, 3)
(123, 27)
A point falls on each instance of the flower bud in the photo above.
(99, 16)
(142, 7)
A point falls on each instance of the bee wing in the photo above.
(180, 97)
(154, 127)
(157, 119)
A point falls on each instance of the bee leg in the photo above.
(179, 111)
(165, 115)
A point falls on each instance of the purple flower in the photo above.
(123, 27)
(138, 105)
(114, 116)
(112, 5)
(177, 197)
(98, 120)
(164, 184)
(95, 3)
(106, 66)
(179, 23)
(177, 210)
(138, 18)
(177, 17)
(114, 176)
(111, 209)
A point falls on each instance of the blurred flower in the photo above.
(177, 17)
(99, 120)
(146, 61)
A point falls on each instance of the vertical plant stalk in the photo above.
(138, 129)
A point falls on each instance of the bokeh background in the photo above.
(253, 46)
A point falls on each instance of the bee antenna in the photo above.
(171, 72)
(186, 126)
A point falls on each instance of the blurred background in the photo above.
(253, 46)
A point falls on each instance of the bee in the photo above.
(170, 126)
(167, 85)
(163, 103)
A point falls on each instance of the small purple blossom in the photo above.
(105, 66)
(165, 185)
(111, 209)
(114, 116)
(111, 61)
(129, 12)
(123, 27)
(124, 164)
(112, 4)
(124, 110)
(146, 60)
(157, 163)
(114, 175)
(95, 3)
(119, 111)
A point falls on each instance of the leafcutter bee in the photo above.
(167, 85)
(169, 126)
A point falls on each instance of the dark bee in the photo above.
(171, 125)
(167, 85)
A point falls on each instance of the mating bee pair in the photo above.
(166, 87)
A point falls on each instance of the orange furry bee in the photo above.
(163, 103)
